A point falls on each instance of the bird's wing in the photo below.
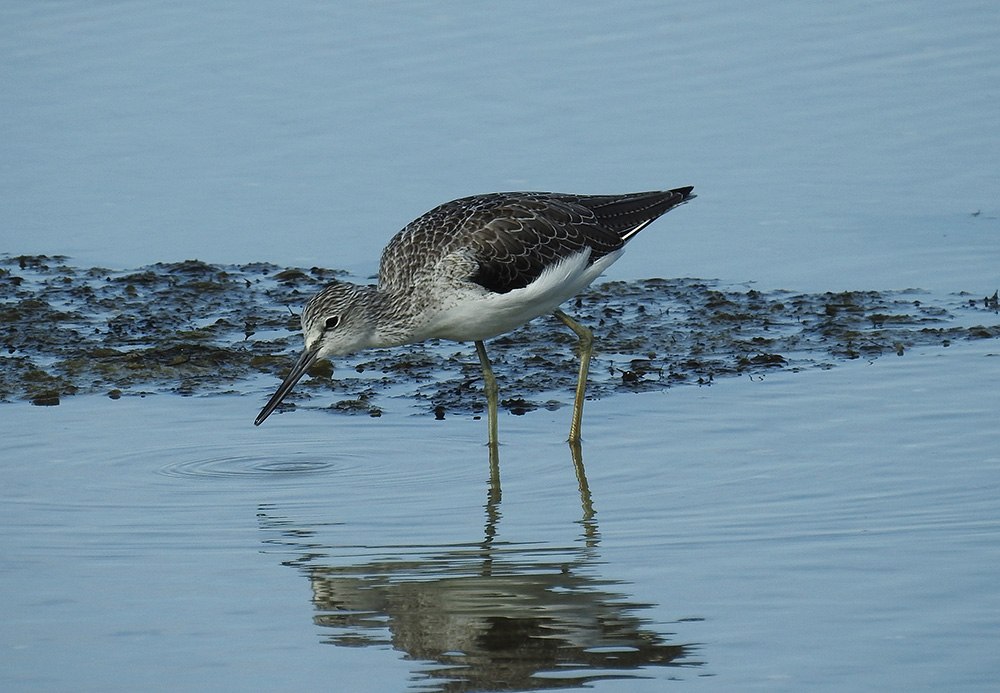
(517, 237)
(504, 241)
(513, 241)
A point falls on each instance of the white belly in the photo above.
(481, 314)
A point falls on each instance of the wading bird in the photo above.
(477, 267)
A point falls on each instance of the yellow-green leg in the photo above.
(491, 390)
(586, 349)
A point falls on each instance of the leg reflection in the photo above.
(494, 494)
(493, 497)
(588, 521)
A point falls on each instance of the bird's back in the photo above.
(504, 241)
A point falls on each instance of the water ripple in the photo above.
(246, 465)
(261, 462)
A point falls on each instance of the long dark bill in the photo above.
(307, 359)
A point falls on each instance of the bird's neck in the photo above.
(392, 315)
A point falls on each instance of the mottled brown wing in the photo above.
(532, 232)
(508, 239)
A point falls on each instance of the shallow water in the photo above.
(832, 146)
(823, 530)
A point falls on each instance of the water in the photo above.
(309, 134)
(823, 530)
(830, 530)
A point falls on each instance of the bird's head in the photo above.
(334, 323)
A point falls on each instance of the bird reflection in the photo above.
(488, 616)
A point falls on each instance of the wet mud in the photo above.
(196, 329)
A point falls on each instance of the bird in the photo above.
(475, 268)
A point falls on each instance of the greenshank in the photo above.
(475, 268)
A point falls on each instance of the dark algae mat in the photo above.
(194, 328)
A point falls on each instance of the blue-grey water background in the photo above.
(824, 530)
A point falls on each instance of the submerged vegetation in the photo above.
(195, 328)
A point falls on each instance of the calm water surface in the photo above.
(823, 530)
(836, 146)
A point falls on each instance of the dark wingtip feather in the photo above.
(628, 214)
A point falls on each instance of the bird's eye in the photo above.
(331, 323)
